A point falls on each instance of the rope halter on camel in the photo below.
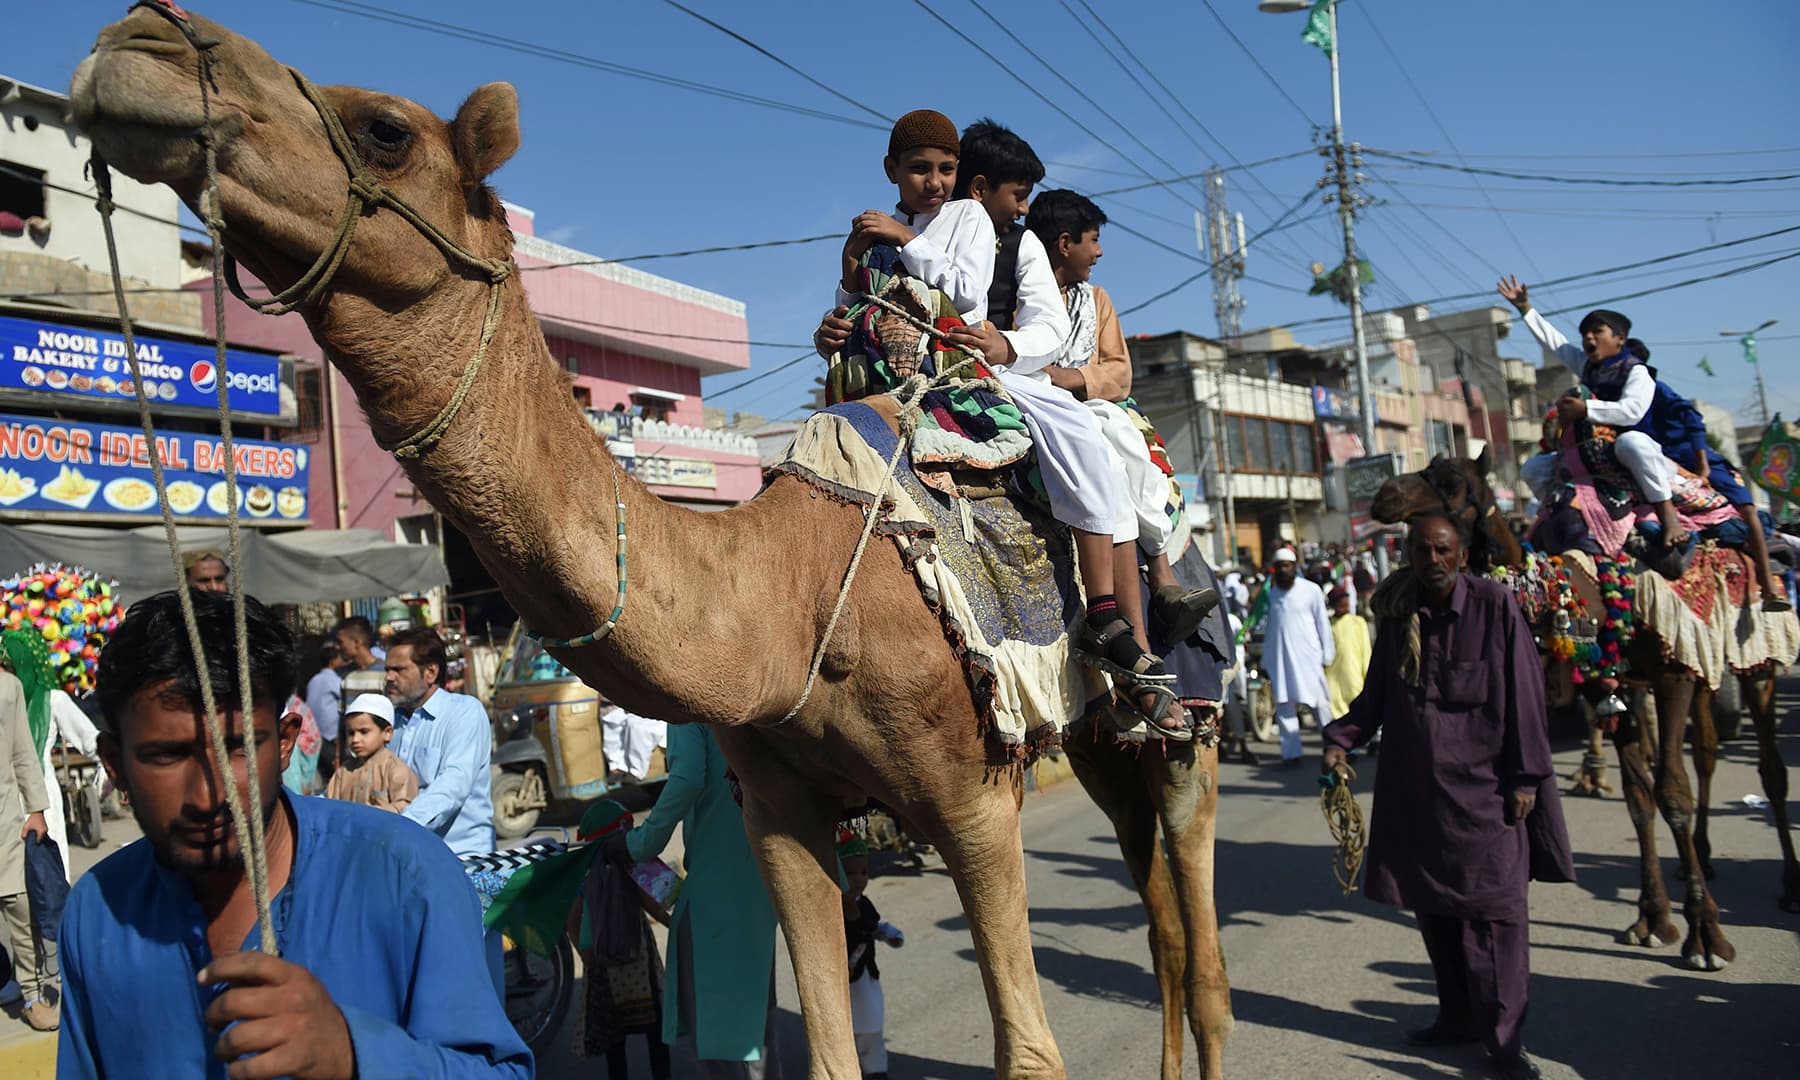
(245, 824)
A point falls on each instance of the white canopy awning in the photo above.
(300, 567)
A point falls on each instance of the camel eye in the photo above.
(387, 135)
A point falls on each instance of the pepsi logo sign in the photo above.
(204, 377)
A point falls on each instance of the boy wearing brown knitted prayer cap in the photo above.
(950, 245)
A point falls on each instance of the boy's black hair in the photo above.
(997, 153)
(359, 626)
(1054, 213)
(151, 647)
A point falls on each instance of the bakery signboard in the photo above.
(53, 469)
(64, 362)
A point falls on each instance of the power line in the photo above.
(1207, 269)
(717, 394)
(1245, 49)
(479, 37)
(690, 251)
(1589, 275)
(1165, 181)
(21, 174)
(1425, 102)
(827, 87)
(1795, 254)
(1598, 181)
(1611, 155)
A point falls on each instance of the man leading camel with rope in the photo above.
(1466, 811)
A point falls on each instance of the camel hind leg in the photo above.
(1653, 927)
(1112, 776)
(1185, 786)
(1759, 699)
(1706, 759)
(1706, 947)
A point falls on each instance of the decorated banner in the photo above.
(64, 468)
(1775, 464)
(72, 610)
(74, 361)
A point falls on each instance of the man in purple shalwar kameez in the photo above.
(1466, 811)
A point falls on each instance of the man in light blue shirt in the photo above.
(445, 739)
(382, 970)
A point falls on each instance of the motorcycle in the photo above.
(539, 986)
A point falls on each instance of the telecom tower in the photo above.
(1222, 240)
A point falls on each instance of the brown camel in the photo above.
(1649, 745)
(709, 633)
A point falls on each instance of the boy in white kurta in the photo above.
(1093, 365)
(950, 244)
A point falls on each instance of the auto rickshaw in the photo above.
(548, 751)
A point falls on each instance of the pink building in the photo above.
(628, 338)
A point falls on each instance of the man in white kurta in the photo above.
(1297, 647)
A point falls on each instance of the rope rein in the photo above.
(244, 824)
(1345, 820)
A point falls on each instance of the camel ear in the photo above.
(486, 130)
(1485, 462)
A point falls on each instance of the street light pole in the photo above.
(1747, 338)
(1343, 161)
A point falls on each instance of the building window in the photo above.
(21, 190)
(1256, 444)
(1271, 446)
(309, 401)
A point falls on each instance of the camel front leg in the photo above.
(792, 834)
(1706, 759)
(1590, 775)
(1759, 698)
(1653, 927)
(1114, 776)
(975, 826)
(1189, 797)
(1706, 947)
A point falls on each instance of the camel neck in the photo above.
(521, 473)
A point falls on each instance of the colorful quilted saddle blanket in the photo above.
(1601, 492)
(962, 428)
(997, 571)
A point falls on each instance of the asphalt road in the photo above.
(1323, 984)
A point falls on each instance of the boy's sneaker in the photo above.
(1176, 613)
(41, 1015)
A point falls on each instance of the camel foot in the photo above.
(1707, 950)
(1641, 933)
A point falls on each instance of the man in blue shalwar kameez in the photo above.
(381, 972)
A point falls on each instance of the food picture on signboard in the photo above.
(218, 497)
(290, 502)
(260, 500)
(71, 488)
(129, 494)
(185, 496)
(15, 486)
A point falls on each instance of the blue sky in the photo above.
(620, 166)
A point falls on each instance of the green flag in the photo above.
(1774, 465)
(1318, 27)
(1706, 365)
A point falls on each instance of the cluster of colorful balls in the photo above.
(1617, 588)
(73, 609)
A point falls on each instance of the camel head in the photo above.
(1457, 486)
(283, 186)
